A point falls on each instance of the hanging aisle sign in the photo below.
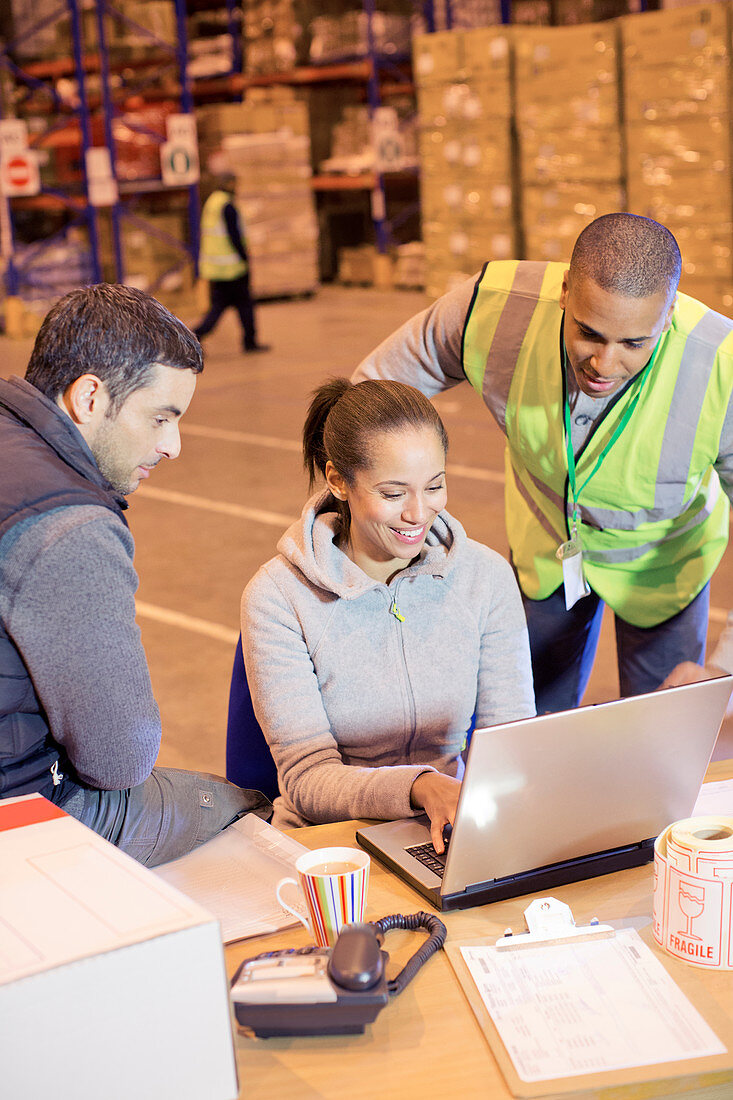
(101, 183)
(388, 142)
(19, 174)
(179, 155)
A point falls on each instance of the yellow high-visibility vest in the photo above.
(218, 258)
(653, 520)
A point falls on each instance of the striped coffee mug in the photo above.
(334, 883)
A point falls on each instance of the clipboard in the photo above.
(710, 993)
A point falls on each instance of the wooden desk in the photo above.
(426, 1042)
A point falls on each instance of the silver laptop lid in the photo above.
(582, 781)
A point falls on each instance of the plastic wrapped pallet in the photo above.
(465, 144)
(149, 19)
(275, 34)
(344, 36)
(352, 141)
(570, 143)
(280, 34)
(273, 191)
(38, 28)
(678, 133)
(356, 265)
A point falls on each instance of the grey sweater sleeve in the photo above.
(505, 686)
(425, 352)
(289, 707)
(68, 601)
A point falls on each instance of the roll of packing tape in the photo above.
(693, 891)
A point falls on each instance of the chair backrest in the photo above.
(249, 760)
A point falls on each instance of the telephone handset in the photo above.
(322, 991)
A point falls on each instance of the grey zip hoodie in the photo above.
(361, 686)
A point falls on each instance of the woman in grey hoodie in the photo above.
(380, 628)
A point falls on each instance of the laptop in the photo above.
(562, 797)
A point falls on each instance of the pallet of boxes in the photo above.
(265, 142)
(570, 144)
(465, 144)
(677, 81)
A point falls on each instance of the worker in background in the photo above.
(224, 262)
(614, 394)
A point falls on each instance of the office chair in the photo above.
(249, 761)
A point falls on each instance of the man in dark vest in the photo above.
(110, 376)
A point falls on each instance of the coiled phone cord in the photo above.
(413, 923)
(437, 936)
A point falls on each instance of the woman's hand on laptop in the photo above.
(437, 795)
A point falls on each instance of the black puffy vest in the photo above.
(44, 464)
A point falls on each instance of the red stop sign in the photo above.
(18, 171)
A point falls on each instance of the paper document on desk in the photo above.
(714, 798)
(567, 1010)
(234, 876)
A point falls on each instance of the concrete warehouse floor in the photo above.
(204, 523)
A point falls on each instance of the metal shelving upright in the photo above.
(140, 78)
(383, 226)
(177, 54)
(39, 80)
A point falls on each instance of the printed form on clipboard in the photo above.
(568, 1009)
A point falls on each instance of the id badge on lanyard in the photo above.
(570, 553)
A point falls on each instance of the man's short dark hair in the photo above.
(629, 255)
(117, 333)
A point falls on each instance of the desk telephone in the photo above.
(323, 991)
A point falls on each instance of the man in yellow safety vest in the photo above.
(614, 393)
(224, 262)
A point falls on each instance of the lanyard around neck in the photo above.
(575, 491)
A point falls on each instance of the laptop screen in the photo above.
(566, 785)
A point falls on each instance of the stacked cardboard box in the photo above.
(467, 194)
(273, 169)
(569, 143)
(264, 111)
(364, 266)
(410, 272)
(678, 135)
(466, 14)
(553, 215)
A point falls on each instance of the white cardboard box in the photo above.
(112, 983)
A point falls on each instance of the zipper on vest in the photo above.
(56, 775)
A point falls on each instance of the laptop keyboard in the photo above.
(426, 854)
